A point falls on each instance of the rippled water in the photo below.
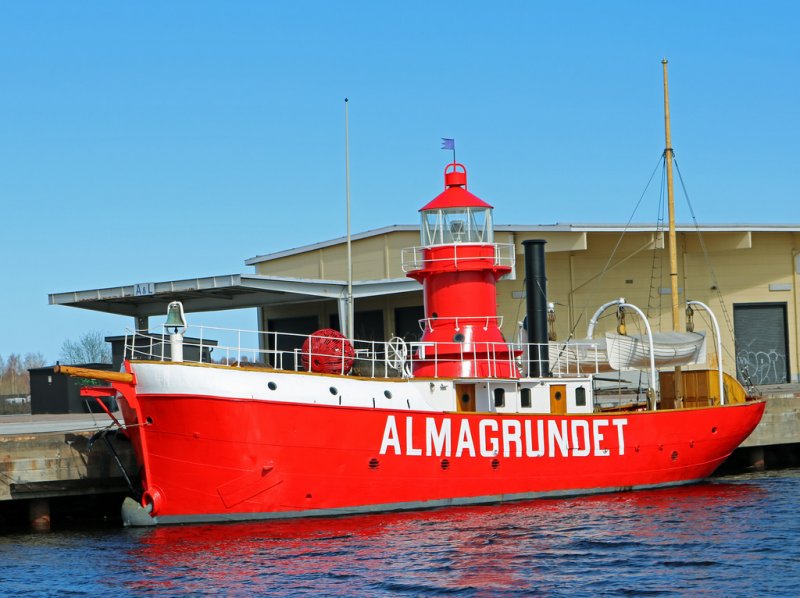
(737, 535)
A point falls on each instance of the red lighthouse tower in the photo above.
(458, 265)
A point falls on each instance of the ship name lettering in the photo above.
(509, 437)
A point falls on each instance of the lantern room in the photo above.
(456, 215)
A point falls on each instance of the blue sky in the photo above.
(151, 141)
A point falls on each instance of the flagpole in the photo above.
(350, 310)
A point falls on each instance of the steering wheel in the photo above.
(396, 353)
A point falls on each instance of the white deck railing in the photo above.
(414, 258)
(395, 358)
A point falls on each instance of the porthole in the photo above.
(387, 394)
(445, 463)
(495, 463)
(374, 463)
(558, 395)
(272, 386)
(459, 338)
(333, 390)
(434, 315)
(149, 420)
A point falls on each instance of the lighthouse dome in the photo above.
(456, 215)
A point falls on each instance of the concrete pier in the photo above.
(776, 440)
(781, 421)
(47, 457)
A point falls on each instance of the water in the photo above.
(733, 536)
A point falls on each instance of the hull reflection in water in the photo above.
(685, 539)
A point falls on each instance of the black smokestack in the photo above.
(536, 306)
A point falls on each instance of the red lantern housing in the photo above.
(458, 265)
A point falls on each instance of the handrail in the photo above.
(426, 323)
(413, 258)
(283, 351)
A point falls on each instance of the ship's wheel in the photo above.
(396, 353)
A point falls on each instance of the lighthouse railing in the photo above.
(419, 258)
(461, 321)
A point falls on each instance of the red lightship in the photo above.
(460, 416)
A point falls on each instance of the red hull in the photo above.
(207, 459)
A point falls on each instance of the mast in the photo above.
(349, 325)
(673, 247)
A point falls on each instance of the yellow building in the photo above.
(747, 275)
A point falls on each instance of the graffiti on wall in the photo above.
(761, 367)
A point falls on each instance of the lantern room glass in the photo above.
(456, 225)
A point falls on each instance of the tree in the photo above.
(14, 377)
(33, 360)
(90, 348)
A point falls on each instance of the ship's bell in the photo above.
(175, 317)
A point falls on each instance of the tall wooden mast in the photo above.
(673, 247)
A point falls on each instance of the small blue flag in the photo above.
(448, 144)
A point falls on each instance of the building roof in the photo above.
(526, 228)
(216, 293)
(330, 243)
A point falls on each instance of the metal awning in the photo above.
(219, 293)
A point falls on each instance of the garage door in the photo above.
(761, 343)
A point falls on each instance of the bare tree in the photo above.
(33, 360)
(14, 377)
(90, 348)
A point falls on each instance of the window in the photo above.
(580, 396)
(456, 225)
(499, 397)
(525, 398)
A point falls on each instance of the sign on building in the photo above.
(144, 288)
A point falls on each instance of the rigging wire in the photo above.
(519, 307)
(657, 266)
(714, 281)
(627, 224)
(563, 346)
